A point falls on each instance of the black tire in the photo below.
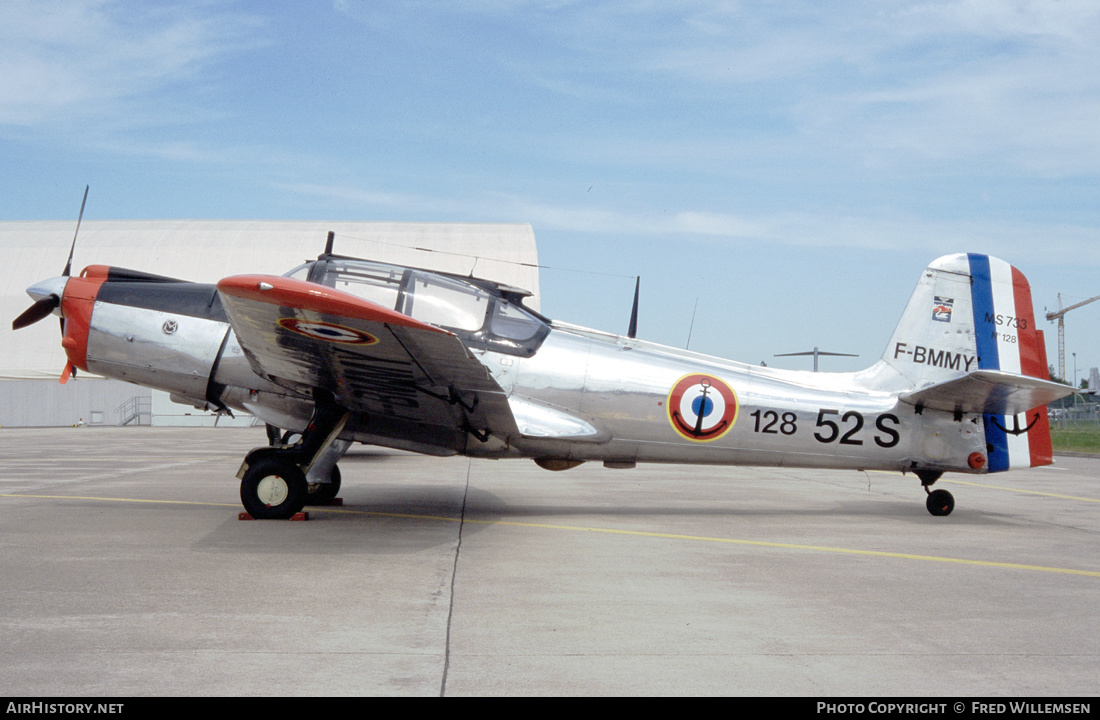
(325, 493)
(273, 489)
(940, 503)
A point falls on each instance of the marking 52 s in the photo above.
(849, 428)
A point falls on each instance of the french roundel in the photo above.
(330, 332)
(701, 407)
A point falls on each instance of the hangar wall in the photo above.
(84, 401)
(31, 359)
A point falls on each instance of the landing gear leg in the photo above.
(273, 479)
(323, 493)
(323, 476)
(940, 502)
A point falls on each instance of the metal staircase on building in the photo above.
(138, 410)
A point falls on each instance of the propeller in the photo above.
(46, 301)
(36, 312)
(69, 262)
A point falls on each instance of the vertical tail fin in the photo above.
(934, 340)
(974, 312)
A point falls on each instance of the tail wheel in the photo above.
(273, 489)
(940, 502)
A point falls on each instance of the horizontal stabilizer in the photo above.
(988, 391)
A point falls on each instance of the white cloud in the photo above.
(1064, 20)
(1007, 82)
(68, 60)
(359, 197)
(1032, 243)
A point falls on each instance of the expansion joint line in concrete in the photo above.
(454, 575)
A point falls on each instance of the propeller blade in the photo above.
(69, 264)
(36, 312)
(632, 331)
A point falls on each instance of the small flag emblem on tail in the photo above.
(941, 308)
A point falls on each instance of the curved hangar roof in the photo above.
(208, 250)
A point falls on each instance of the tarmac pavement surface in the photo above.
(126, 572)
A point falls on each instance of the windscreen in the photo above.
(445, 302)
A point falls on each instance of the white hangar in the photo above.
(31, 359)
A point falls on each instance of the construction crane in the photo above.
(1060, 317)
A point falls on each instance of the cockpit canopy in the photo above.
(484, 314)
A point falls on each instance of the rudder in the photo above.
(1007, 339)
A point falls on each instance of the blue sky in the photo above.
(789, 166)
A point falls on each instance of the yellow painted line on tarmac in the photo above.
(735, 541)
(1020, 490)
(121, 500)
(630, 533)
(953, 481)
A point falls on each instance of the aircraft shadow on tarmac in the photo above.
(394, 518)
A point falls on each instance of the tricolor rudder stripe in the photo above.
(1008, 340)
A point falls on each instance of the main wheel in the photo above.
(273, 489)
(940, 502)
(324, 493)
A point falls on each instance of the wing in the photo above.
(407, 377)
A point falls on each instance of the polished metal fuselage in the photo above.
(583, 395)
(154, 348)
(621, 387)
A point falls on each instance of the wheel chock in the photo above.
(300, 516)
